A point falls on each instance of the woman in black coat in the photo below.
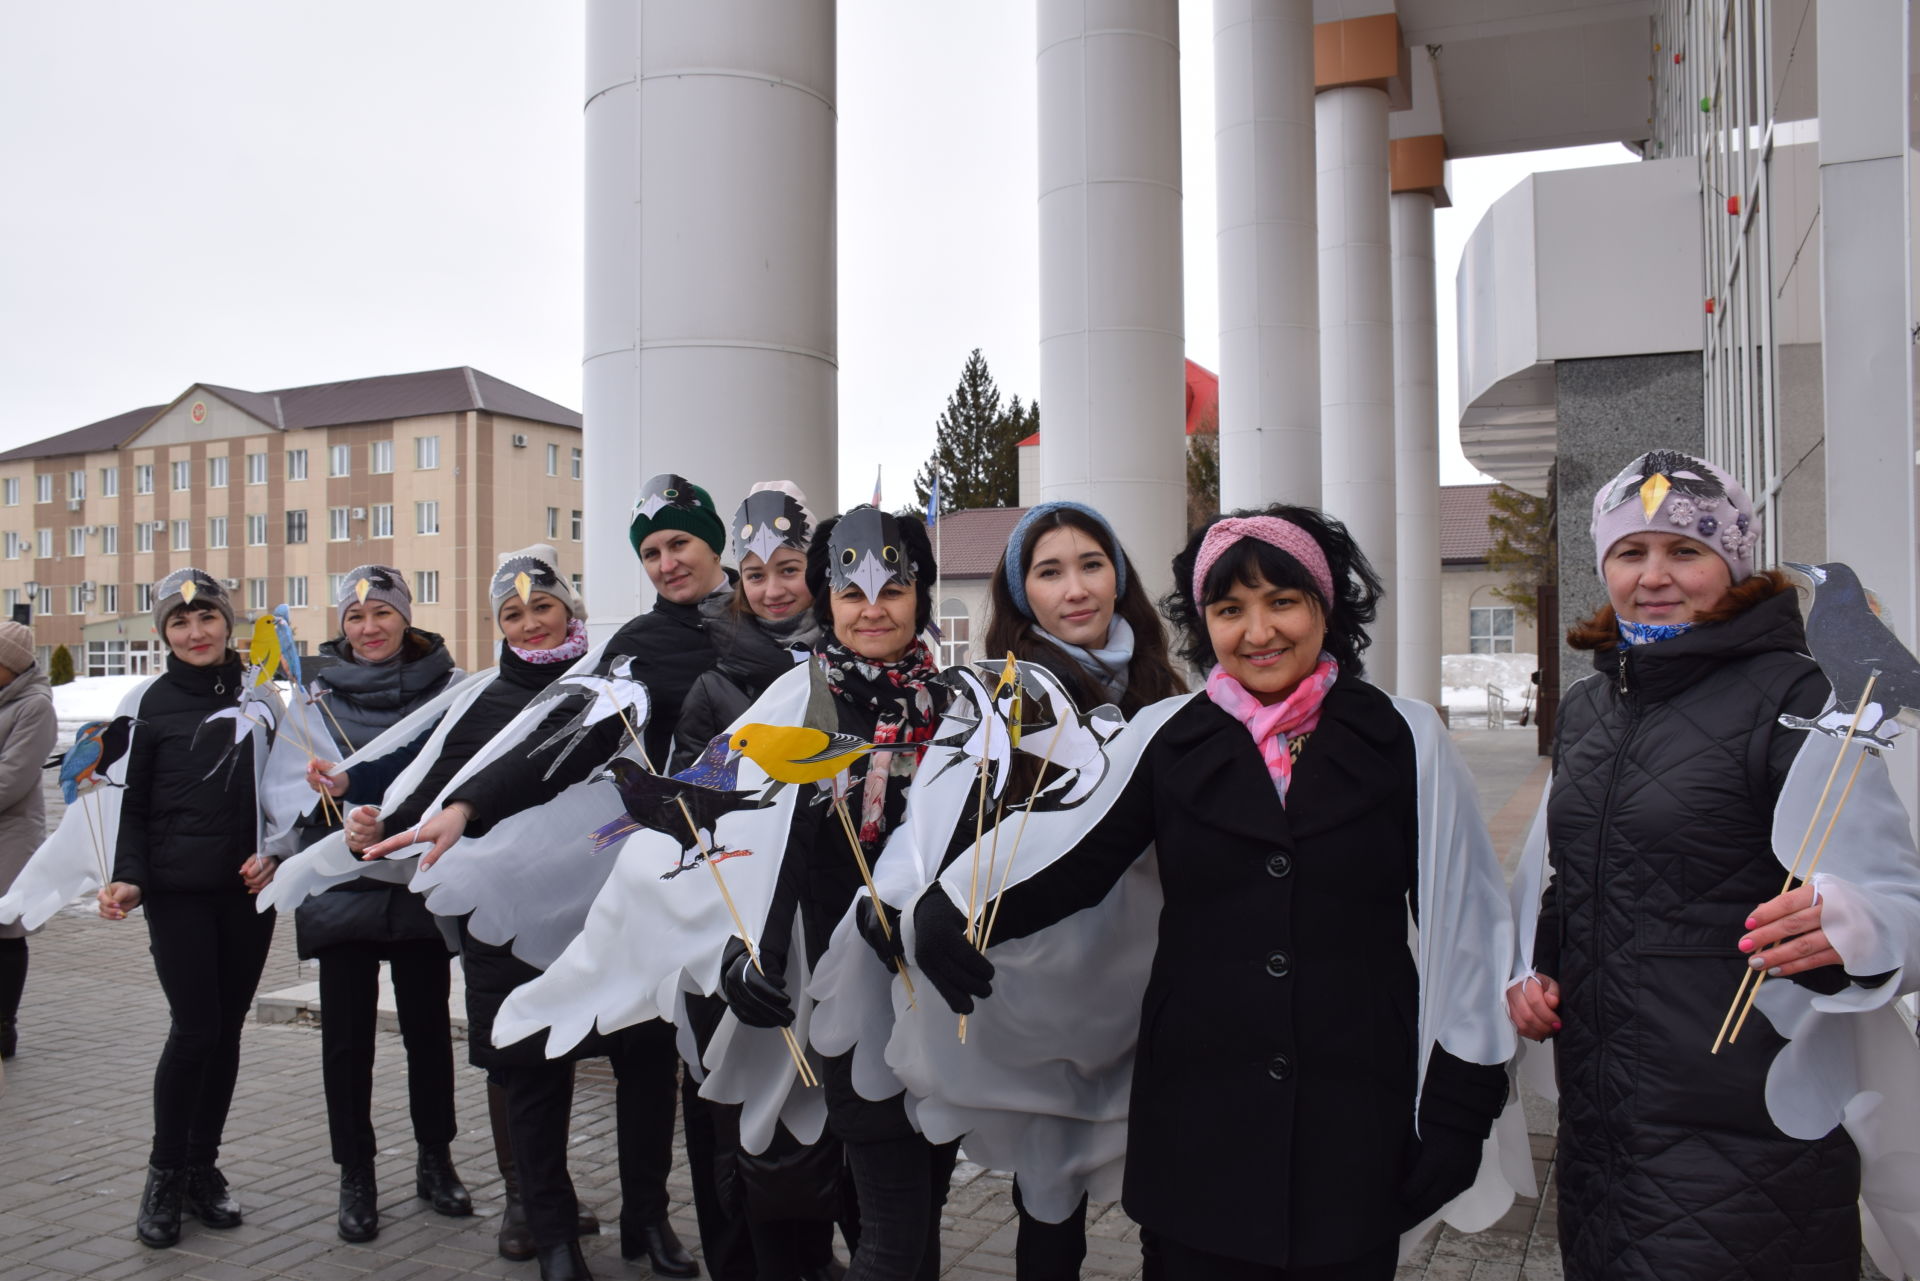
(1667, 764)
(1271, 1130)
(383, 669)
(188, 851)
(872, 579)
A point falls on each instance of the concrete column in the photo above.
(1356, 340)
(1416, 416)
(1269, 268)
(710, 261)
(1112, 338)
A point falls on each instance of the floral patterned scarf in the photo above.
(1278, 729)
(897, 694)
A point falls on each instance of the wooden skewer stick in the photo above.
(1761, 975)
(332, 720)
(866, 874)
(993, 915)
(1793, 873)
(979, 831)
(89, 815)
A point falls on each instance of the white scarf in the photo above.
(1109, 665)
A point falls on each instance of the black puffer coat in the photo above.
(750, 655)
(1666, 768)
(180, 830)
(361, 701)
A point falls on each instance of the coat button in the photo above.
(1280, 1067)
(1279, 865)
(1279, 964)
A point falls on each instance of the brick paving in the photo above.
(75, 1118)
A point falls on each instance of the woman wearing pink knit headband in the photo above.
(1288, 1027)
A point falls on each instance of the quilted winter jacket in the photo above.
(1666, 767)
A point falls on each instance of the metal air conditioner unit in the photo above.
(86, 590)
(91, 529)
(230, 583)
(519, 440)
(73, 504)
(358, 513)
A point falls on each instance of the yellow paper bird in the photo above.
(796, 754)
(1010, 679)
(264, 650)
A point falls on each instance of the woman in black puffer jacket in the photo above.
(1667, 765)
(384, 669)
(189, 852)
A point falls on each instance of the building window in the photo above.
(110, 598)
(143, 478)
(296, 464)
(216, 473)
(553, 522)
(956, 632)
(256, 531)
(76, 485)
(109, 482)
(382, 521)
(13, 491)
(576, 462)
(46, 601)
(426, 452)
(143, 536)
(426, 587)
(216, 531)
(76, 540)
(579, 587)
(553, 460)
(297, 526)
(76, 599)
(575, 524)
(297, 591)
(143, 598)
(1490, 629)
(426, 518)
(336, 583)
(43, 487)
(110, 539)
(256, 593)
(339, 460)
(338, 530)
(13, 545)
(182, 475)
(44, 540)
(256, 469)
(380, 455)
(182, 540)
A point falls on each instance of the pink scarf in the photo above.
(1276, 728)
(566, 651)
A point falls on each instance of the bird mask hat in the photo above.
(1668, 492)
(373, 582)
(189, 586)
(674, 502)
(866, 551)
(530, 570)
(774, 515)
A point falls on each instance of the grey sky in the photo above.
(268, 195)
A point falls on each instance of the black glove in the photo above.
(1458, 1103)
(757, 999)
(887, 947)
(956, 967)
(1446, 1163)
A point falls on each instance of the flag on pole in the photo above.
(876, 487)
(933, 502)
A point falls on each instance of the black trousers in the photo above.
(349, 999)
(1045, 1251)
(902, 1185)
(208, 951)
(1179, 1262)
(13, 976)
(539, 1110)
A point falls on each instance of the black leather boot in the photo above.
(516, 1241)
(159, 1222)
(359, 1204)
(435, 1181)
(9, 1038)
(563, 1263)
(658, 1241)
(207, 1198)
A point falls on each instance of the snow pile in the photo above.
(1464, 679)
(91, 698)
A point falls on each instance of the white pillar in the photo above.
(1112, 338)
(710, 261)
(1269, 269)
(1416, 477)
(1356, 340)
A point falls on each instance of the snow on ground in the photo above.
(1464, 679)
(91, 698)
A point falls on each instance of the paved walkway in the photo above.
(75, 1122)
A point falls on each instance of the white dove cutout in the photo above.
(975, 727)
(1070, 741)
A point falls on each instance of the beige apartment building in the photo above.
(279, 494)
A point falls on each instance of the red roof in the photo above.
(1203, 404)
(972, 541)
(1464, 536)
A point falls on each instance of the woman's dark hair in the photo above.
(1601, 629)
(919, 549)
(1248, 562)
(1150, 675)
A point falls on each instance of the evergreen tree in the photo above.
(1203, 472)
(1523, 546)
(60, 666)
(975, 452)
